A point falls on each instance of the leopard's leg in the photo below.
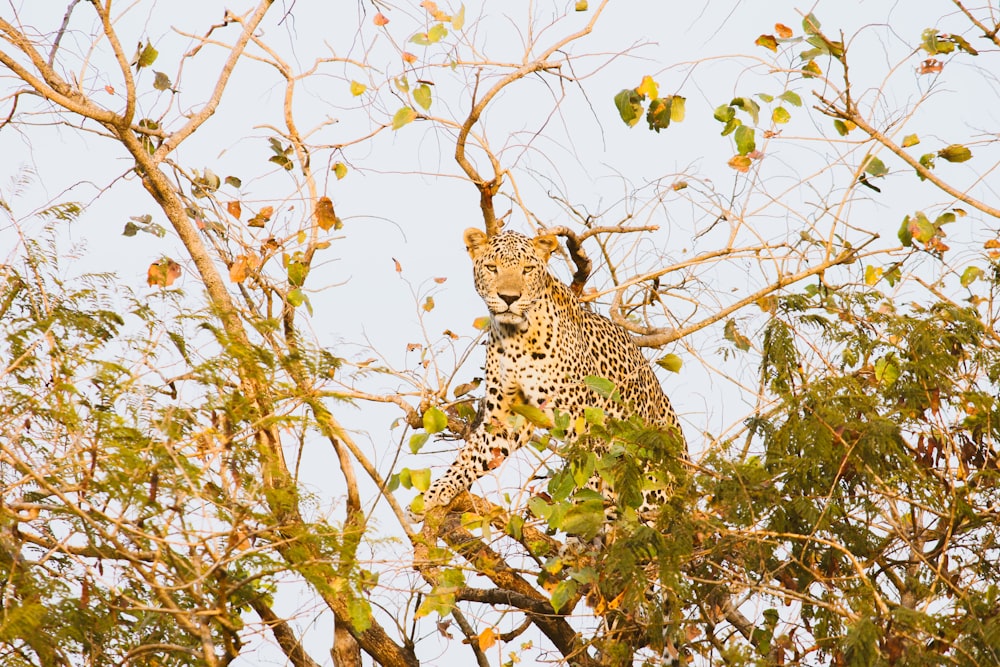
(486, 447)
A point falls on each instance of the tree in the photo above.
(180, 460)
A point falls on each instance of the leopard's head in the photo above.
(510, 272)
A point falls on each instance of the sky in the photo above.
(405, 204)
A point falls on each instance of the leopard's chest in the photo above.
(544, 363)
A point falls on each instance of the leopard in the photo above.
(542, 345)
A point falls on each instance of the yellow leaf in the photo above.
(910, 140)
(487, 638)
(481, 323)
(239, 270)
(767, 41)
(581, 5)
(811, 69)
(648, 88)
(325, 216)
(357, 88)
(340, 169)
(403, 117)
(872, 275)
(740, 163)
(458, 20)
(783, 30)
(163, 273)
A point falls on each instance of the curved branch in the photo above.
(123, 64)
(487, 189)
(49, 84)
(249, 27)
(447, 525)
(580, 259)
(657, 337)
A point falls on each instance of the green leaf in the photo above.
(281, 161)
(886, 371)
(810, 24)
(731, 125)
(749, 106)
(955, 153)
(360, 612)
(904, 233)
(658, 114)
(724, 113)
(515, 526)
(594, 416)
(671, 362)
(780, 115)
(875, 166)
(422, 95)
(791, 97)
(297, 272)
(532, 414)
(921, 228)
(539, 507)
(147, 56)
(964, 45)
(417, 441)
(583, 473)
(403, 117)
(604, 387)
(435, 420)
(421, 479)
(233, 181)
(629, 108)
(910, 140)
(841, 127)
(745, 142)
(296, 297)
(970, 275)
(563, 593)
(861, 644)
(561, 485)
(421, 38)
(585, 519)
(437, 33)
(161, 81)
(733, 335)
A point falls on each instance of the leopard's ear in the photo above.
(475, 241)
(545, 245)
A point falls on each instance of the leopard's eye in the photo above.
(529, 268)
(491, 267)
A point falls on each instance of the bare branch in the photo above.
(249, 27)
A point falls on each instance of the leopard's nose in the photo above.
(509, 298)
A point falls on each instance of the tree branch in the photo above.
(290, 644)
(855, 117)
(487, 189)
